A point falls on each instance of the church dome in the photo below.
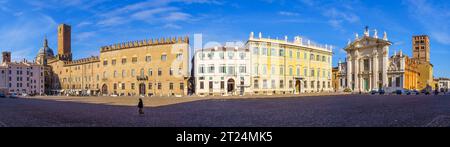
(46, 50)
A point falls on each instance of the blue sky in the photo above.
(96, 23)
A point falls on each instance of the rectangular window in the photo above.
(150, 72)
(242, 55)
(281, 69)
(181, 86)
(256, 84)
(159, 71)
(298, 55)
(290, 71)
(179, 56)
(281, 52)
(366, 64)
(291, 84)
(148, 58)
(221, 55)
(256, 51)
(264, 51)
(163, 58)
(104, 63)
(281, 84)
(132, 86)
(230, 55)
(211, 68)
(159, 86)
(201, 69)
(210, 55)
(273, 84)
(222, 85)
(150, 86)
(242, 69)
(273, 52)
(290, 54)
(264, 69)
(223, 69)
(265, 84)
(170, 71)
(170, 86)
(255, 70)
(211, 85)
(113, 62)
(124, 60)
(202, 85)
(134, 59)
(231, 70)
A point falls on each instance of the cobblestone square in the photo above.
(305, 111)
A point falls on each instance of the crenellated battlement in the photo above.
(141, 43)
(82, 61)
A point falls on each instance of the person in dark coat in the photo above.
(141, 107)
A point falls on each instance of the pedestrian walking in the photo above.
(141, 107)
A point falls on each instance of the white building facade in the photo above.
(222, 71)
(21, 77)
(367, 62)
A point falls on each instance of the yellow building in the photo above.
(147, 67)
(289, 67)
(411, 74)
(421, 53)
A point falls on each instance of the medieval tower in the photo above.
(64, 44)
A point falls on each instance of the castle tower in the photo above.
(64, 42)
(6, 57)
(421, 48)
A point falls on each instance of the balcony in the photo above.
(142, 78)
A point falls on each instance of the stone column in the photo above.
(375, 71)
(349, 72)
(357, 74)
(385, 65)
(371, 74)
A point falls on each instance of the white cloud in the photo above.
(432, 17)
(177, 16)
(19, 35)
(285, 13)
(172, 26)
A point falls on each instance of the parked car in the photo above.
(399, 92)
(381, 91)
(373, 92)
(2, 95)
(13, 95)
(408, 92)
(24, 94)
(114, 95)
(416, 92)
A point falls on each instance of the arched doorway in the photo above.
(298, 86)
(230, 85)
(142, 89)
(104, 89)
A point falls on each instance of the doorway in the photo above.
(230, 85)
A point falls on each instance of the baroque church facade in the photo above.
(368, 66)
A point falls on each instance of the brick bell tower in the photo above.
(6, 57)
(64, 42)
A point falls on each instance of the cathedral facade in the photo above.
(146, 68)
(368, 67)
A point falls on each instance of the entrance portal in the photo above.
(298, 86)
(230, 85)
(104, 89)
(142, 89)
